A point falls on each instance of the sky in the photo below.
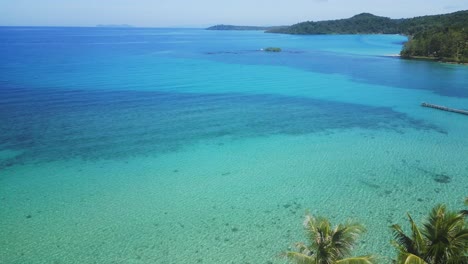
(202, 13)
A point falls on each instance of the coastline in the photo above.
(433, 59)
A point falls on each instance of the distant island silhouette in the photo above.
(234, 27)
(115, 26)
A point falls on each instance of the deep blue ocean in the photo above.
(148, 145)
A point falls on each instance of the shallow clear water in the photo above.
(193, 146)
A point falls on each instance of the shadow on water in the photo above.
(50, 124)
(447, 80)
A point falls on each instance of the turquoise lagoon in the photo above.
(193, 146)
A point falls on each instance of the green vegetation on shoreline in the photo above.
(447, 44)
(437, 37)
(366, 23)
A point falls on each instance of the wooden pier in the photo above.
(444, 108)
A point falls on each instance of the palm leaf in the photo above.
(448, 236)
(357, 260)
(328, 244)
(418, 242)
(461, 237)
(344, 238)
(410, 259)
(454, 222)
(311, 225)
(300, 258)
(402, 240)
(442, 239)
(461, 260)
(458, 245)
(436, 232)
(303, 248)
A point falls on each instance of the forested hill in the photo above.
(439, 37)
(366, 23)
(415, 25)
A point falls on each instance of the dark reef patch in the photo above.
(369, 184)
(437, 177)
(442, 178)
(54, 124)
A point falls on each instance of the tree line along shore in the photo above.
(435, 37)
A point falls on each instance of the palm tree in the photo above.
(442, 239)
(329, 245)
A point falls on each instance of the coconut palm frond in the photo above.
(458, 245)
(323, 228)
(308, 220)
(353, 229)
(433, 225)
(357, 260)
(461, 237)
(312, 227)
(434, 220)
(418, 242)
(410, 259)
(328, 244)
(402, 240)
(398, 247)
(300, 258)
(442, 239)
(453, 222)
(447, 234)
(344, 238)
(461, 260)
(301, 247)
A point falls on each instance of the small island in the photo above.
(272, 49)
